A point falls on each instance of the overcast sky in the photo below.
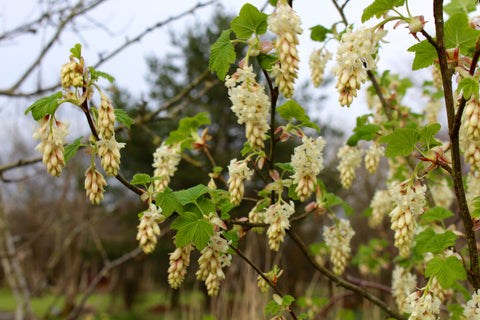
(124, 20)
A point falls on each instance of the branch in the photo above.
(342, 282)
(92, 286)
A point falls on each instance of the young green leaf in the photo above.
(44, 106)
(447, 271)
(460, 6)
(468, 86)
(430, 241)
(192, 228)
(99, 74)
(425, 54)
(319, 33)
(76, 51)
(249, 21)
(332, 199)
(292, 110)
(379, 7)
(141, 178)
(122, 116)
(71, 149)
(287, 300)
(436, 214)
(458, 33)
(427, 135)
(168, 202)
(186, 127)
(222, 54)
(272, 308)
(266, 61)
(287, 166)
(365, 132)
(400, 142)
(192, 194)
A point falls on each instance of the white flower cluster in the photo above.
(106, 118)
(94, 183)
(372, 157)
(354, 57)
(307, 161)
(109, 151)
(381, 205)
(250, 104)
(317, 62)
(71, 75)
(409, 202)
(165, 161)
(338, 238)
(256, 216)
(277, 216)
(148, 229)
(422, 306)
(473, 189)
(442, 194)
(472, 309)
(437, 77)
(403, 282)
(238, 171)
(51, 134)
(214, 257)
(432, 108)
(471, 117)
(286, 24)
(350, 158)
(179, 261)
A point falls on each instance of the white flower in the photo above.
(381, 205)
(179, 261)
(317, 62)
(277, 216)
(472, 308)
(372, 157)
(238, 171)
(403, 282)
(422, 306)
(106, 117)
(307, 161)
(338, 237)
(109, 151)
(350, 158)
(148, 229)
(165, 161)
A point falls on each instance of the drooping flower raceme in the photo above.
(472, 308)
(214, 257)
(350, 158)
(277, 216)
(179, 261)
(307, 161)
(165, 161)
(409, 200)
(381, 205)
(94, 183)
(109, 151)
(442, 194)
(422, 306)
(106, 118)
(338, 237)
(71, 74)
(403, 282)
(51, 134)
(250, 104)
(317, 62)
(354, 58)
(372, 157)
(148, 229)
(286, 24)
(238, 171)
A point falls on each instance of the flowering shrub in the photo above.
(429, 181)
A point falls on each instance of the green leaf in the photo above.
(476, 211)
(286, 166)
(469, 86)
(365, 132)
(436, 214)
(460, 6)
(446, 271)
(168, 202)
(232, 236)
(122, 116)
(319, 33)
(222, 54)
(272, 308)
(192, 228)
(287, 300)
(76, 51)
(427, 135)
(99, 74)
(292, 110)
(141, 178)
(456, 312)
(249, 21)
(71, 149)
(191, 195)
(44, 106)
(400, 142)
(332, 199)
(379, 7)
(310, 124)
(185, 129)
(266, 61)
(458, 33)
(425, 54)
(436, 243)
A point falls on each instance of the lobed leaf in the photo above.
(44, 106)
(319, 33)
(436, 243)
(192, 194)
(168, 202)
(379, 7)
(400, 142)
(425, 54)
(122, 117)
(447, 271)
(222, 54)
(72, 149)
(249, 21)
(436, 214)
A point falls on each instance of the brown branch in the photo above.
(342, 282)
(386, 106)
(92, 286)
